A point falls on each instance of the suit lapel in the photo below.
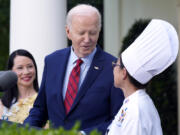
(94, 70)
(61, 68)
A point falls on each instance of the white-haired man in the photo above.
(77, 82)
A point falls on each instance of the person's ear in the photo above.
(124, 74)
(68, 32)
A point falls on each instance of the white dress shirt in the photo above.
(84, 68)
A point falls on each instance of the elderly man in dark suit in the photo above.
(77, 82)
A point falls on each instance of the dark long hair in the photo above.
(12, 93)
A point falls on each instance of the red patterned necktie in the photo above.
(72, 87)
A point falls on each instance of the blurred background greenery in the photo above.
(162, 89)
(4, 32)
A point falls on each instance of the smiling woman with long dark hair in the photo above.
(17, 101)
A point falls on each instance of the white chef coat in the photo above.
(137, 116)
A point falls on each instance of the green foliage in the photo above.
(162, 88)
(1, 94)
(14, 129)
(4, 32)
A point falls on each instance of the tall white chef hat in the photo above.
(152, 52)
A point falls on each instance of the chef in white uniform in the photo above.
(150, 54)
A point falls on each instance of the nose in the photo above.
(86, 38)
(26, 70)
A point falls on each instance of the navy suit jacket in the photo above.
(97, 100)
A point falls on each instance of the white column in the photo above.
(178, 13)
(39, 27)
(112, 26)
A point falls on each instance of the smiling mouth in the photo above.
(26, 79)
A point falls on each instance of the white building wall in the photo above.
(112, 26)
(136, 9)
(119, 15)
